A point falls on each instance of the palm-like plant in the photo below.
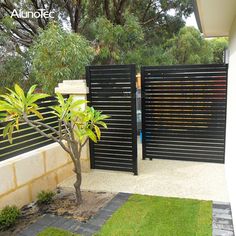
(76, 125)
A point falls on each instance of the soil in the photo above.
(63, 204)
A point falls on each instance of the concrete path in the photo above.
(162, 178)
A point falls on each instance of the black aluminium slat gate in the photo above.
(184, 112)
(112, 90)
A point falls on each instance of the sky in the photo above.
(191, 21)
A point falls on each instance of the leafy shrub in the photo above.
(8, 217)
(45, 197)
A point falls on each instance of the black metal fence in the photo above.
(183, 116)
(113, 91)
(184, 112)
(27, 139)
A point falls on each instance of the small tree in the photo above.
(76, 125)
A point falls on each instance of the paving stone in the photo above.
(113, 206)
(222, 221)
(70, 223)
(60, 221)
(122, 196)
(103, 214)
(221, 211)
(221, 203)
(221, 206)
(33, 230)
(47, 220)
(74, 228)
(97, 221)
(222, 216)
(218, 232)
(222, 226)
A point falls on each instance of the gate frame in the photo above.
(133, 116)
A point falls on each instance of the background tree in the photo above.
(76, 126)
(78, 14)
(58, 55)
(144, 32)
(116, 42)
(218, 46)
(189, 47)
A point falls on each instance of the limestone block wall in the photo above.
(24, 176)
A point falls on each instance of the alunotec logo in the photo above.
(41, 13)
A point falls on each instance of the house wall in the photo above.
(231, 123)
(24, 176)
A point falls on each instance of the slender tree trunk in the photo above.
(77, 183)
(76, 154)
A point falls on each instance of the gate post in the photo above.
(79, 90)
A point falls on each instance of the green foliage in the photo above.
(86, 122)
(45, 197)
(58, 55)
(11, 71)
(8, 217)
(188, 47)
(51, 231)
(116, 41)
(218, 46)
(15, 104)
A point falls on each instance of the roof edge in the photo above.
(197, 15)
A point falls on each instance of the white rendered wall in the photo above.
(231, 123)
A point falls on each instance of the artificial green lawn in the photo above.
(160, 216)
(55, 232)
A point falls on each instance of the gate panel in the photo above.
(113, 91)
(184, 112)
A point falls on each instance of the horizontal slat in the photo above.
(183, 158)
(113, 155)
(110, 90)
(110, 167)
(182, 153)
(108, 148)
(179, 83)
(24, 149)
(110, 85)
(179, 141)
(197, 148)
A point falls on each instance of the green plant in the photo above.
(51, 231)
(75, 125)
(8, 217)
(45, 197)
(58, 55)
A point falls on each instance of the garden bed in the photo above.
(63, 205)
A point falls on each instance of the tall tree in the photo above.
(188, 47)
(78, 14)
